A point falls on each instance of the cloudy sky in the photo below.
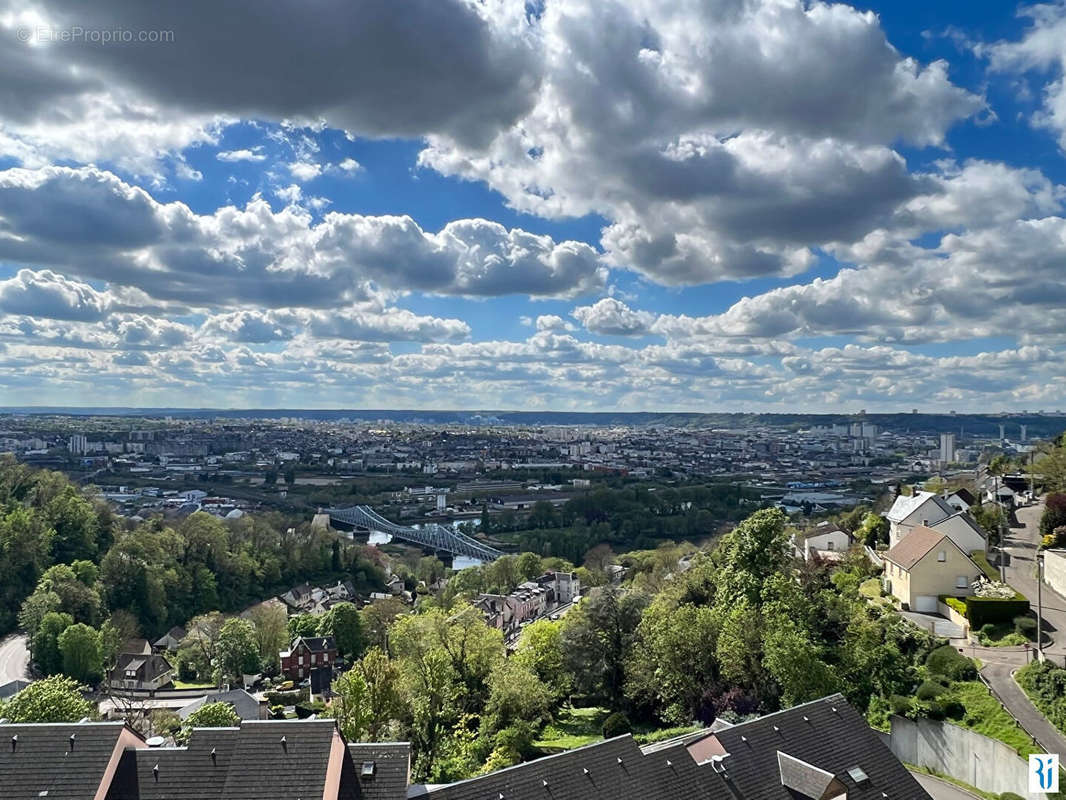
(545, 204)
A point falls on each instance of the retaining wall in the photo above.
(963, 754)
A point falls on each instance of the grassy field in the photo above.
(576, 727)
(193, 685)
(986, 716)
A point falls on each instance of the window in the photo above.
(314, 658)
(301, 661)
(942, 555)
(828, 545)
(961, 582)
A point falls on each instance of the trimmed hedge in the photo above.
(956, 603)
(981, 611)
(287, 698)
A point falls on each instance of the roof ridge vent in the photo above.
(214, 756)
(155, 773)
(14, 742)
(73, 736)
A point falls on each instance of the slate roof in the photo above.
(916, 545)
(316, 644)
(614, 769)
(42, 759)
(249, 763)
(392, 769)
(828, 734)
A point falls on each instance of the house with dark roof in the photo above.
(140, 672)
(926, 564)
(822, 750)
(308, 653)
(170, 641)
(383, 769)
(246, 706)
(62, 761)
(12, 688)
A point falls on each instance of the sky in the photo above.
(648, 205)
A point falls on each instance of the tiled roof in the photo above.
(45, 762)
(614, 769)
(915, 546)
(390, 770)
(828, 734)
(246, 763)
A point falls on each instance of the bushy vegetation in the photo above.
(1045, 684)
(950, 663)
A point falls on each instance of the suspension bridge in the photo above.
(432, 536)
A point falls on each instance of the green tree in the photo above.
(540, 648)
(45, 643)
(747, 556)
(76, 526)
(384, 690)
(198, 651)
(79, 646)
(351, 705)
(873, 531)
(302, 625)
(237, 649)
(795, 662)
(597, 638)
(516, 694)
(69, 588)
(25, 551)
(529, 566)
(54, 699)
(271, 631)
(209, 715)
(344, 623)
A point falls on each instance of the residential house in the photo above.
(963, 530)
(816, 751)
(565, 586)
(909, 511)
(296, 598)
(824, 540)
(139, 646)
(821, 750)
(246, 706)
(308, 653)
(170, 641)
(960, 499)
(140, 672)
(926, 564)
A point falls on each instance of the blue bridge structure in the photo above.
(432, 536)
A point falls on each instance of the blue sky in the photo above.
(675, 205)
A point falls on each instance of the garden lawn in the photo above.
(981, 560)
(573, 727)
(986, 716)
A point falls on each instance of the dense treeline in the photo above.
(63, 553)
(630, 518)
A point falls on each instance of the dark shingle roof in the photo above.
(177, 773)
(614, 769)
(316, 644)
(249, 763)
(828, 734)
(391, 770)
(42, 759)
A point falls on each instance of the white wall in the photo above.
(1055, 571)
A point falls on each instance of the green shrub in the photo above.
(947, 661)
(900, 705)
(1026, 626)
(1010, 796)
(287, 698)
(953, 709)
(981, 611)
(934, 710)
(309, 707)
(929, 690)
(1046, 686)
(616, 725)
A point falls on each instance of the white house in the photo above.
(909, 511)
(824, 540)
(963, 530)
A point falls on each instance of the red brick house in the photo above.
(308, 653)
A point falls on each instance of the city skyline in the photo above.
(572, 205)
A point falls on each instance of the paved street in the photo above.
(941, 790)
(14, 658)
(999, 663)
